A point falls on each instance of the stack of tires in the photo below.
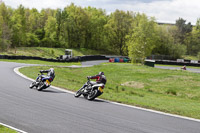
(118, 60)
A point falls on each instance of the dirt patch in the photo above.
(133, 84)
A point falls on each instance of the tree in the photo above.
(76, 25)
(192, 40)
(95, 35)
(5, 31)
(143, 38)
(18, 22)
(166, 43)
(50, 33)
(118, 27)
(183, 30)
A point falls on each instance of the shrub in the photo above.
(171, 91)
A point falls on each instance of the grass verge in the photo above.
(172, 91)
(4, 129)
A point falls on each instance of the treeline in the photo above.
(126, 33)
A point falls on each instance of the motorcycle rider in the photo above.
(50, 75)
(100, 78)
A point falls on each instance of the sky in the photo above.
(166, 11)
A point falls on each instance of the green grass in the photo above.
(178, 66)
(41, 62)
(189, 57)
(4, 129)
(51, 52)
(171, 91)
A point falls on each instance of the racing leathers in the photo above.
(99, 79)
(50, 75)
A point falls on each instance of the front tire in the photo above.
(78, 93)
(32, 85)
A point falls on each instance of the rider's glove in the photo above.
(88, 77)
(41, 71)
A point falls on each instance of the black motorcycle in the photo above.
(91, 90)
(42, 82)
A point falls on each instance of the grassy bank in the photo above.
(51, 52)
(172, 91)
(4, 129)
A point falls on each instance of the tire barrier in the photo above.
(74, 59)
(92, 57)
(119, 60)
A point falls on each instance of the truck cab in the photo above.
(68, 54)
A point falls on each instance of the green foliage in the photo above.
(183, 29)
(167, 44)
(142, 39)
(5, 31)
(118, 28)
(198, 55)
(171, 91)
(124, 33)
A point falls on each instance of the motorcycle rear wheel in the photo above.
(41, 86)
(93, 94)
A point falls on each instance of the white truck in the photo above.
(68, 55)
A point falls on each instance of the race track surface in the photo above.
(53, 111)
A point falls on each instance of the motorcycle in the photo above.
(41, 82)
(91, 90)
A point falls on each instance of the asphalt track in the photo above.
(54, 111)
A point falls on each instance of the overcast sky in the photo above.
(167, 11)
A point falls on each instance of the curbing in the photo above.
(16, 70)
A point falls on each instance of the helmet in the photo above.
(52, 69)
(101, 73)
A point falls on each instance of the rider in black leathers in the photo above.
(100, 78)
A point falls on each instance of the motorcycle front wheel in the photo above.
(78, 93)
(32, 85)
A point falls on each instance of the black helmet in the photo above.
(101, 73)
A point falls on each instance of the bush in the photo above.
(171, 91)
(177, 50)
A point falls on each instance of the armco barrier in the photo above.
(171, 62)
(74, 59)
(150, 63)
